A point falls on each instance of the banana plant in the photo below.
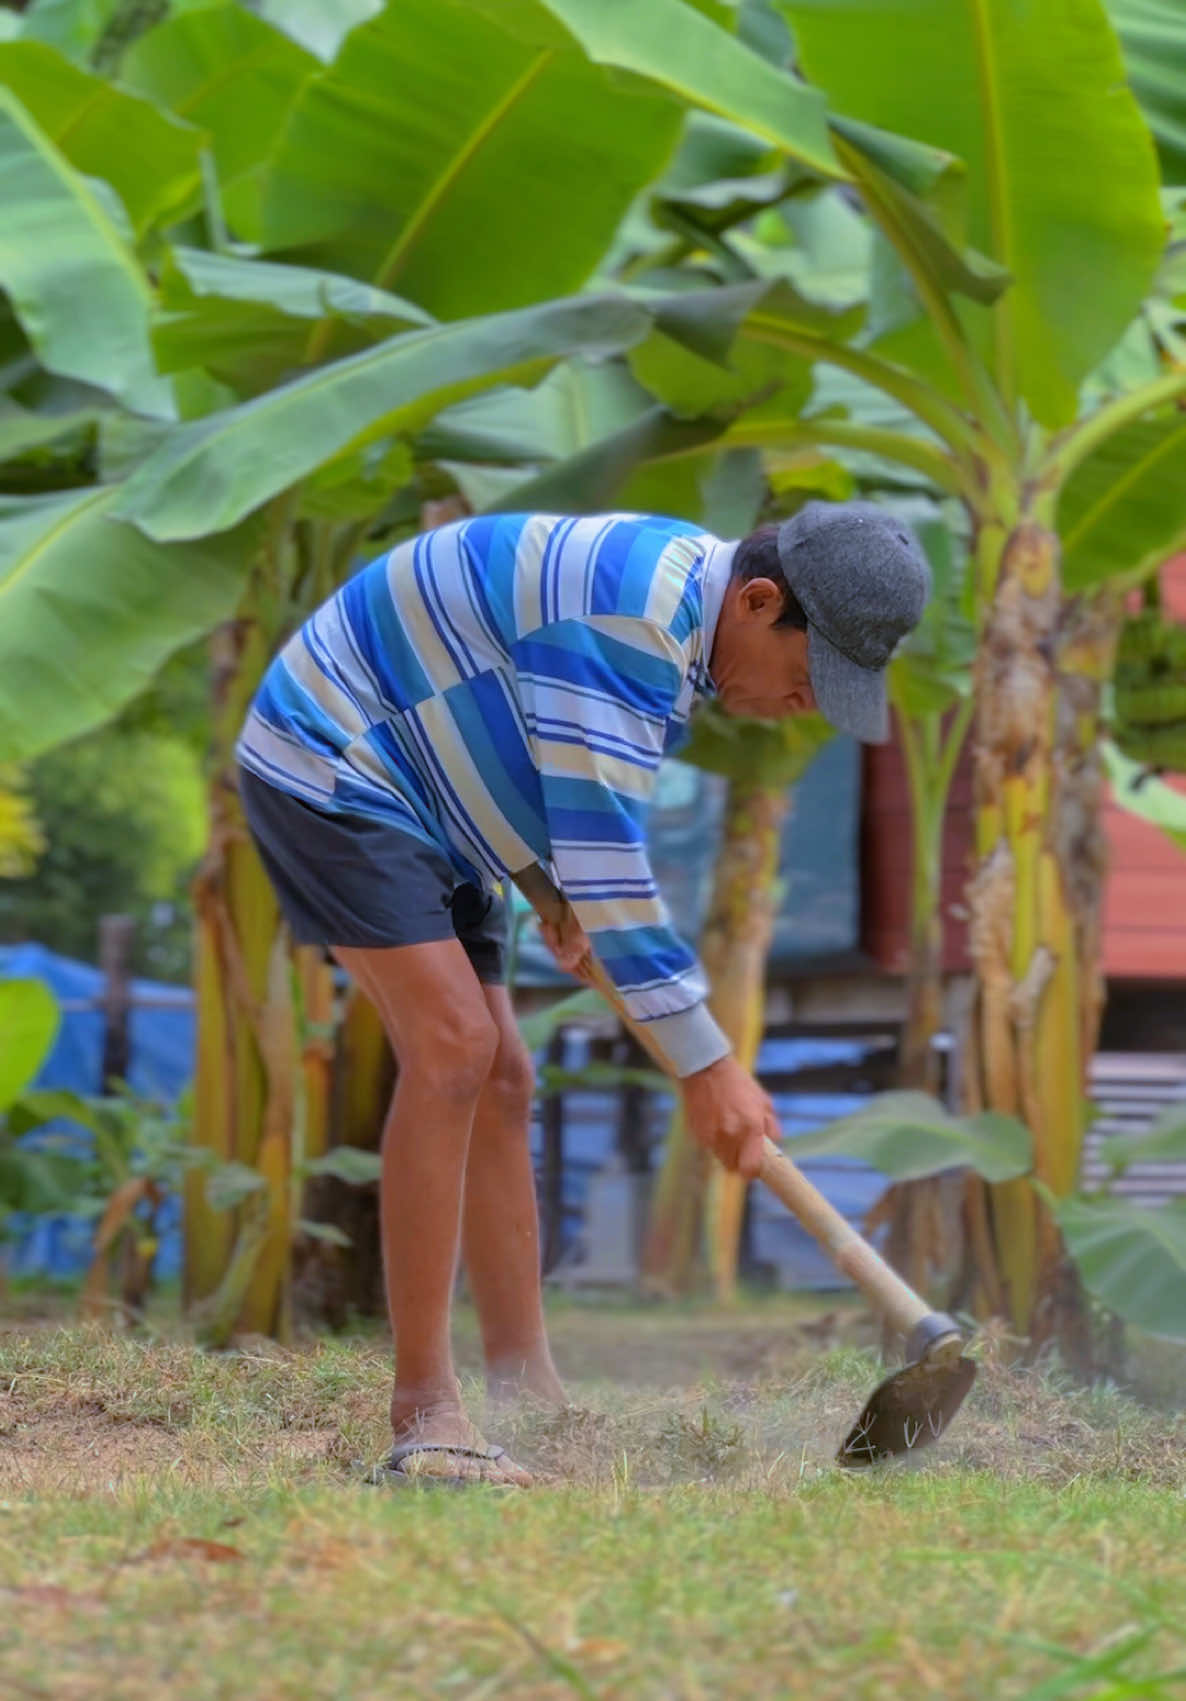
(694, 1206)
(241, 289)
(1130, 1258)
(987, 348)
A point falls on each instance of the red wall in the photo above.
(1145, 900)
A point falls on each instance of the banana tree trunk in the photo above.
(692, 1197)
(919, 1241)
(331, 1280)
(264, 1050)
(1034, 897)
(236, 1261)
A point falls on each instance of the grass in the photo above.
(200, 1526)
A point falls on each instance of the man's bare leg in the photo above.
(445, 1042)
(500, 1222)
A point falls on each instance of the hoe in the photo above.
(913, 1406)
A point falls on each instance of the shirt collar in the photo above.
(718, 570)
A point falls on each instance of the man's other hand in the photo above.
(570, 946)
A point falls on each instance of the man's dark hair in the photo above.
(756, 557)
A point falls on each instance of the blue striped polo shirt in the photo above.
(505, 688)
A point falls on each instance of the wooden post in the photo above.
(117, 936)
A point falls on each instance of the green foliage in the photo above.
(907, 1135)
(667, 43)
(29, 1181)
(351, 1164)
(1120, 514)
(28, 1026)
(475, 215)
(1150, 713)
(537, 1029)
(130, 1137)
(74, 27)
(150, 158)
(1153, 40)
(1000, 90)
(932, 671)
(597, 1077)
(752, 753)
(319, 25)
(1164, 1142)
(248, 322)
(78, 646)
(124, 818)
(1131, 1257)
(69, 270)
(234, 76)
(1134, 788)
(21, 840)
(208, 475)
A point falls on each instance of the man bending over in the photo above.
(500, 692)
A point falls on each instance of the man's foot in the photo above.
(509, 1379)
(441, 1430)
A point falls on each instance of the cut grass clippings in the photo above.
(195, 1525)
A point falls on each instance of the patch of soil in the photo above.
(80, 1445)
(61, 1452)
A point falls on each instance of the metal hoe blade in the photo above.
(911, 1408)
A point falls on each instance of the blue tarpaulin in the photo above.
(161, 1047)
(162, 1044)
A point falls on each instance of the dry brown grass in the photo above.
(691, 1537)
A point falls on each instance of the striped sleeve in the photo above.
(597, 693)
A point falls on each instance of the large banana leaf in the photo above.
(669, 43)
(1122, 512)
(249, 322)
(70, 274)
(90, 609)
(1153, 39)
(207, 475)
(1131, 1257)
(907, 1135)
(149, 157)
(575, 406)
(235, 76)
(1062, 177)
(501, 182)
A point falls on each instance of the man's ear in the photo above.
(761, 600)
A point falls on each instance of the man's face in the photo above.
(758, 667)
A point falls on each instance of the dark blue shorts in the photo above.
(346, 880)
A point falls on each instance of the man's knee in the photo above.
(511, 1082)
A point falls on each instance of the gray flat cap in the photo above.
(862, 581)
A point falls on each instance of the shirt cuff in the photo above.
(690, 1040)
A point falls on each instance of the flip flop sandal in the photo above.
(391, 1470)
